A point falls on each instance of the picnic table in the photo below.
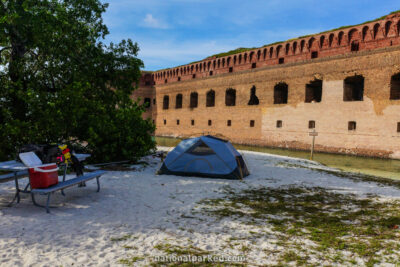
(18, 171)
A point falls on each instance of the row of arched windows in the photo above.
(351, 37)
(353, 90)
(230, 99)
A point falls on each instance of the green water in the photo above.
(372, 166)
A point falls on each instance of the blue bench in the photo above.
(65, 184)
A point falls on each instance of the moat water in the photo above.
(387, 168)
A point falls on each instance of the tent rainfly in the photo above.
(205, 156)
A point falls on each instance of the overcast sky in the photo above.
(177, 32)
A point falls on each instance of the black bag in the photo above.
(77, 166)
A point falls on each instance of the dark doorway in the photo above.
(395, 87)
(281, 93)
(194, 97)
(253, 98)
(355, 46)
(178, 102)
(353, 88)
(230, 97)
(314, 91)
(210, 98)
(166, 102)
(147, 102)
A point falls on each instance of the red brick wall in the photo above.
(369, 36)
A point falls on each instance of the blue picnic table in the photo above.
(17, 170)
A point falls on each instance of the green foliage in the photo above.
(61, 83)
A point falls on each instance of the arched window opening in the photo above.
(230, 97)
(219, 63)
(376, 30)
(353, 88)
(209, 65)
(253, 97)
(245, 58)
(310, 43)
(234, 60)
(387, 27)
(228, 61)
(314, 91)
(194, 97)
(364, 32)
(321, 41)
(281, 93)
(353, 34)
(302, 44)
(210, 98)
(240, 59)
(223, 62)
(278, 50)
(395, 87)
(271, 52)
(265, 53)
(398, 27)
(331, 37)
(340, 38)
(178, 101)
(214, 64)
(294, 46)
(166, 102)
(287, 49)
(258, 55)
(251, 56)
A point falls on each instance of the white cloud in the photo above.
(151, 22)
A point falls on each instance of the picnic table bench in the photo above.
(19, 171)
(65, 184)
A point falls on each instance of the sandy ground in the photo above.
(145, 210)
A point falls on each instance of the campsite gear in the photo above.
(19, 171)
(65, 151)
(40, 176)
(205, 156)
(43, 176)
(69, 158)
(54, 154)
(46, 153)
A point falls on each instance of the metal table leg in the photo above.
(17, 190)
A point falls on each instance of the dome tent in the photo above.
(205, 156)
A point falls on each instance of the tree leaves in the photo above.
(60, 82)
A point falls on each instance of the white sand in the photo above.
(151, 209)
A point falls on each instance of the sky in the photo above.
(176, 32)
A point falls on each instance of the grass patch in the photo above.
(333, 222)
(122, 238)
(130, 261)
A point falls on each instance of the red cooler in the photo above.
(43, 176)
